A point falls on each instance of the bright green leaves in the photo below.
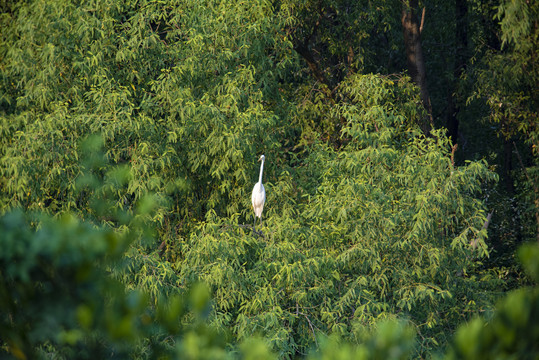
(50, 309)
(517, 18)
(383, 226)
(404, 218)
(376, 223)
(380, 111)
(181, 92)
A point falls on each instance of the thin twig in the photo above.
(422, 21)
(311, 326)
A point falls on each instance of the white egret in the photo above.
(258, 197)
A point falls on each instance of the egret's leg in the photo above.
(254, 225)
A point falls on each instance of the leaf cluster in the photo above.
(366, 219)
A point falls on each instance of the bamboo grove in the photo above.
(129, 137)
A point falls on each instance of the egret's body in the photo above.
(258, 197)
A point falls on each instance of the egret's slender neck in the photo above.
(261, 169)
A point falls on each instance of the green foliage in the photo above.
(185, 111)
(506, 80)
(384, 228)
(59, 301)
(390, 340)
(345, 32)
(373, 236)
(512, 333)
(57, 297)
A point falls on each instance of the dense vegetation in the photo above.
(401, 178)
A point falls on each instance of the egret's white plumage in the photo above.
(258, 197)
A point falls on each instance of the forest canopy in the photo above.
(401, 148)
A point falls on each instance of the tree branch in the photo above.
(302, 48)
(473, 243)
(422, 21)
(453, 149)
(317, 72)
(309, 321)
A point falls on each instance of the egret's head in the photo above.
(262, 157)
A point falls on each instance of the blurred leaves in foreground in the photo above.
(59, 300)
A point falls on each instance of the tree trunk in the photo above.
(461, 57)
(414, 54)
